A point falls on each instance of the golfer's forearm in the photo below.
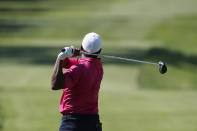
(58, 80)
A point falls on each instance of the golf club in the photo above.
(162, 66)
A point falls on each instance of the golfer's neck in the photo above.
(83, 56)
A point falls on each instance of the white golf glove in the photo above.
(68, 52)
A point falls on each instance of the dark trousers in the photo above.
(80, 122)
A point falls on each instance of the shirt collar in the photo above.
(89, 59)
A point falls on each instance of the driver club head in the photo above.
(162, 67)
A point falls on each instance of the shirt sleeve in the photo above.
(68, 62)
(72, 76)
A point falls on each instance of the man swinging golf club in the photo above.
(80, 84)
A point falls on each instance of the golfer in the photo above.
(80, 84)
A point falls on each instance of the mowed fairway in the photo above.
(133, 97)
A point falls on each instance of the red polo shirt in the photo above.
(83, 78)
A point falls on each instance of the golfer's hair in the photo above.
(93, 56)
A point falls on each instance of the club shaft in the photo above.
(120, 58)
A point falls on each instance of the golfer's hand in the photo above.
(66, 52)
(76, 52)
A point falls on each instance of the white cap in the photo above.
(91, 43)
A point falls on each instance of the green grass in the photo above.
(27, 98)
(1, 119)
(177, 33)
(132, 97)
(28, 104)
(178, 36)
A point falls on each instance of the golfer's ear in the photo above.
(81, 48)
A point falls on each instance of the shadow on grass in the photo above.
(7, 26)
(11, 10)
(21, 0)
(47, 56)
(173, 58)
(29, 55)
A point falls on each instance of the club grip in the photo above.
(63, 50)
(75, 51)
